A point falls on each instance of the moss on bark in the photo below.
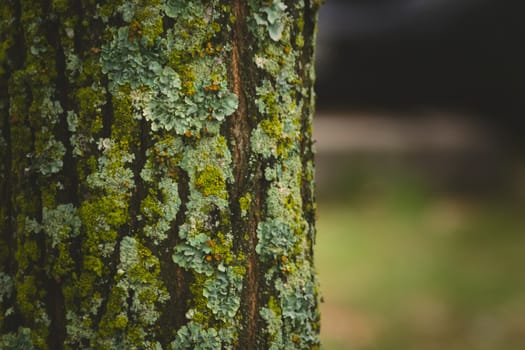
(157, 175)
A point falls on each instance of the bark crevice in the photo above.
(246, 176)
(176, 279)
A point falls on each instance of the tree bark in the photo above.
(157, 175)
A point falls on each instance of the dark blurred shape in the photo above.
(463, 55)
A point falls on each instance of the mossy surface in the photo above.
(156, 175)
(282, 141)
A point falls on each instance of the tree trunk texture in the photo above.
(157, 174)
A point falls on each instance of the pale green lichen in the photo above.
(275, 239)
(161, 212)
(298, 300)
(205, 250)
(178, 84)
(174, 8)
(21, 340)
(6, 287)
(193, 336)
(127, 61)
(157, 86)
(49, 159)
(59, 224)
(77, 328)
(223, 292)
(273, 17)
(161, 205)
(192, 255)
(112, 174)
(72, 121)
(272, 316)
(50, 109)
(78, 141)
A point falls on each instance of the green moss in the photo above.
(149, 16)
(150, 206)
(27, 254)
(188, 79)
(273, 305)
(132, 308)
(299, 41)
(124, 124)
(26, 294)
(60, 5)
(107, 208)
(90, 103)
(114, 318)
(300, 23)
(6, 14)
(63, 264)
(245, 203)
(89, 73)
(210, 181)
(239, 270)
(176, 79)
(85, 285)
(121, 321)
(94, 264)
(273, 127)
(48, 195)
(198, 304)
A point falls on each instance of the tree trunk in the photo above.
(157, 175)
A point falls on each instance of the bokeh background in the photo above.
(421, 174)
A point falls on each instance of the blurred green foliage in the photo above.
(404, 264)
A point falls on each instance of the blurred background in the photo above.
(421, 174)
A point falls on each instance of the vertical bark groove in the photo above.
(69, 176)
(240, 127)
(240, 130)
(175, 278)
(15, 60)
(307, 58)
(7, 220)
